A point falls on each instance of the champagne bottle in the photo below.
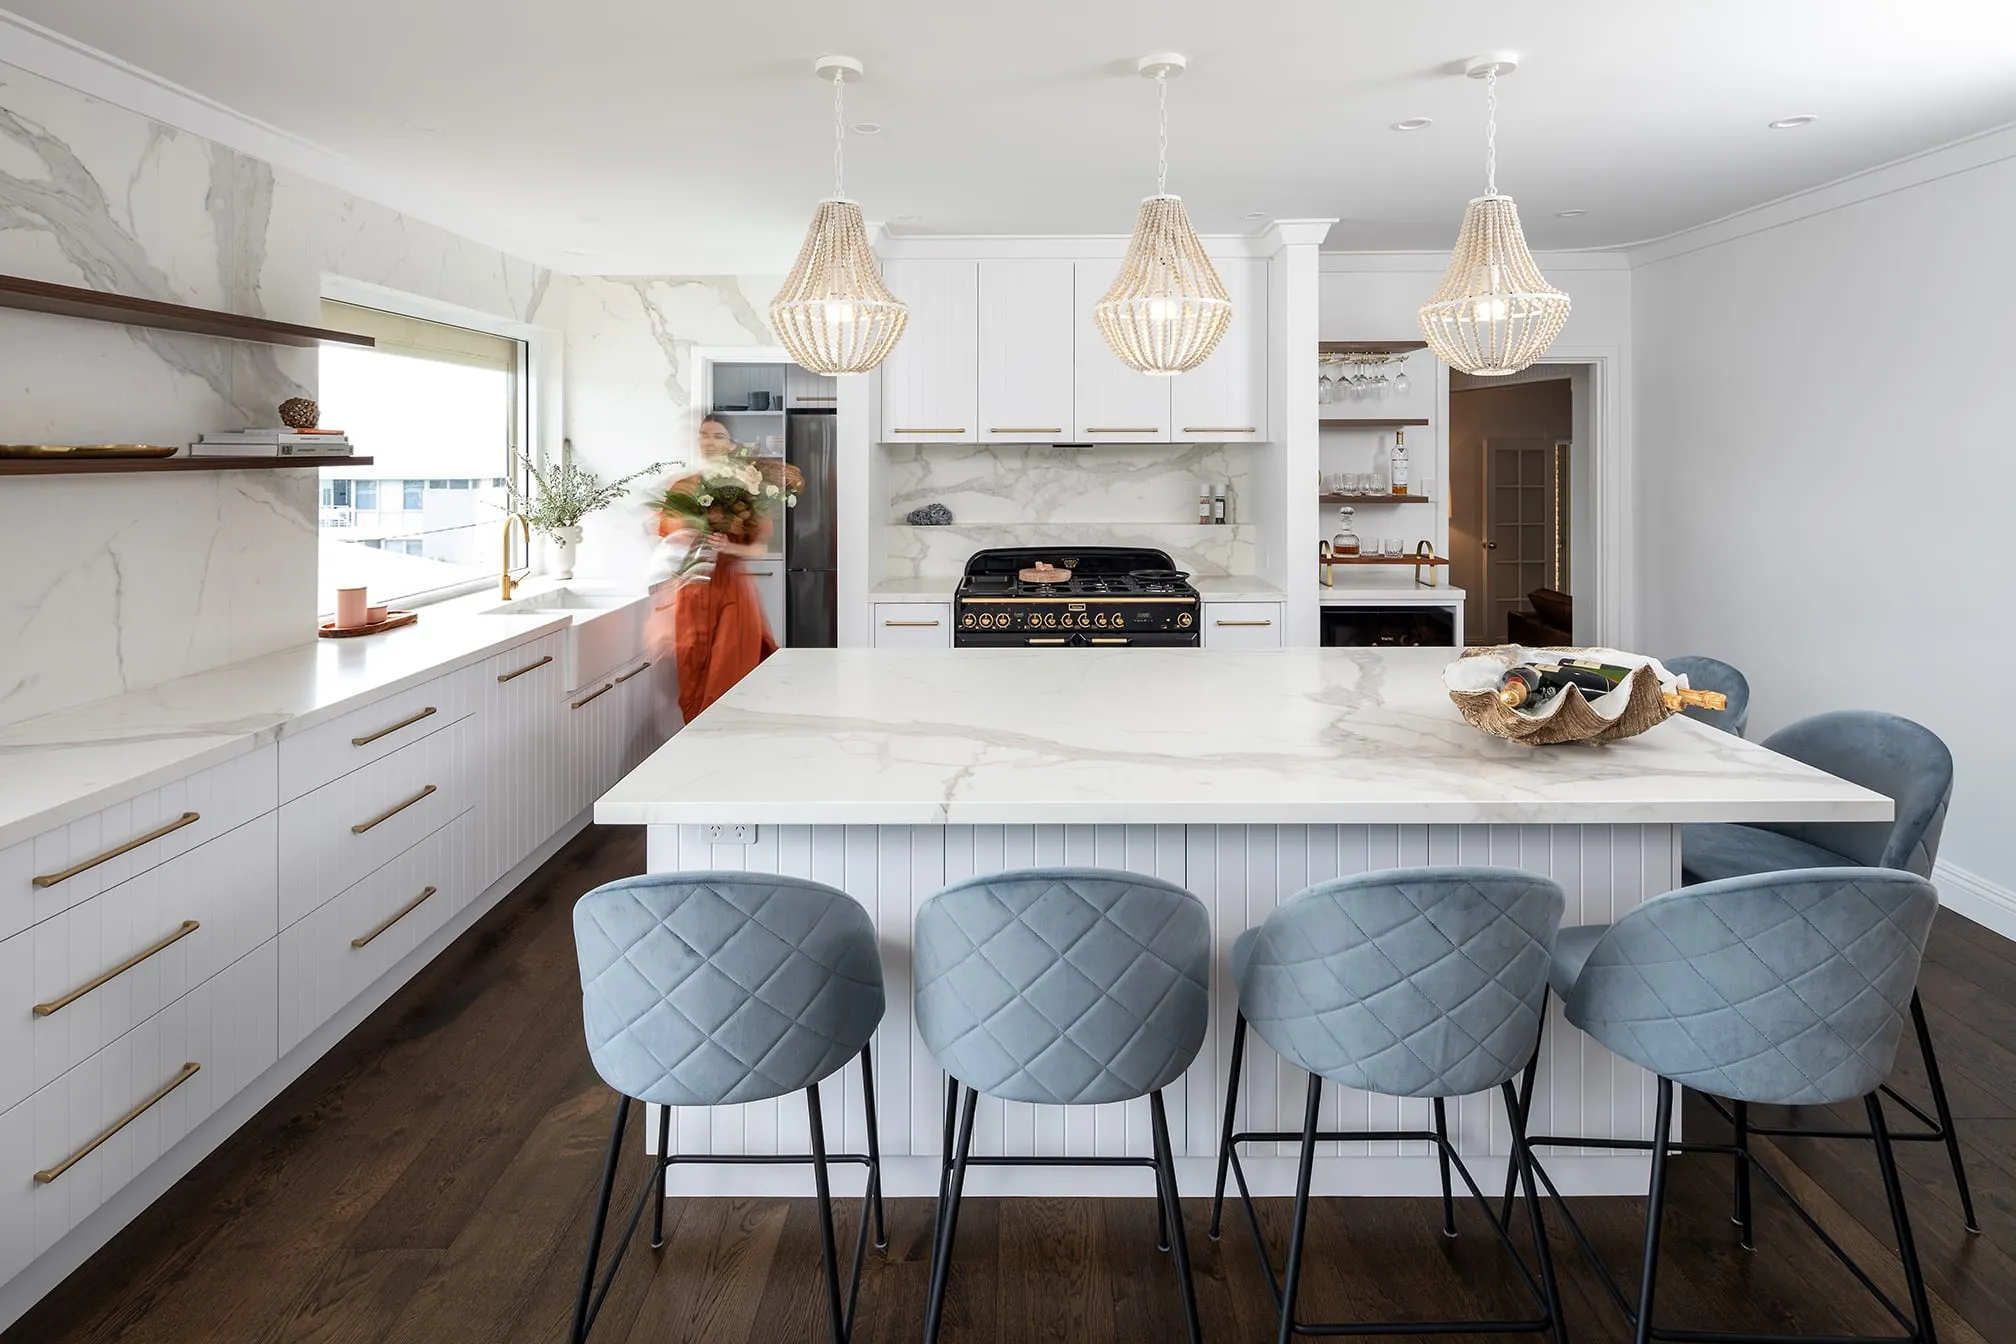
(1521, 686)
(1674, 699)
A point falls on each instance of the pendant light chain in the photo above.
(1491, 132)
(1162, 135)
(839, 130)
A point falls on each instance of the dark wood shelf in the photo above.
(1372, 499)
(1370, 424)
(1409, 559)
(40, 296)
(93, 466)
(1367, 347)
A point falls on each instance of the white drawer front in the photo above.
(1242, 625)
(170, 929)
(219, 798)
(354, 825)
(323, 966)
(224, 1026)
(913, 625)
(331, 750)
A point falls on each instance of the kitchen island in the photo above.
(1242, 776)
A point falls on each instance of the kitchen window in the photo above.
(441, 410)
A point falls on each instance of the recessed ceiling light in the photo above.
(1794, 123)
(1254, 214)
(866, 128)
(1569, 214)
(905, 219)
(1414, 124)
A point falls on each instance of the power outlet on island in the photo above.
(731, 835)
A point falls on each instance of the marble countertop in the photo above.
(1214, 588)
(925, 588)
(1018, 736)
(58, 767)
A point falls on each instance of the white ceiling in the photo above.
(661, 136)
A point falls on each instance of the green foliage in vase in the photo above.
(566, 495)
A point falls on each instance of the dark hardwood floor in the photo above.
(431, 1180)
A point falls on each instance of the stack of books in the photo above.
(278, 442)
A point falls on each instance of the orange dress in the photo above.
(718, 633)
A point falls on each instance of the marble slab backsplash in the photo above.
(1044, 495)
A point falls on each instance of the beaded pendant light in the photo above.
(1494, 313)
(1167, 309)
(834, 314)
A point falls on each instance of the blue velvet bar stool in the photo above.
(1061, 987)
(1415, 982)
(1712, 674)
(1782, 988)
(1907, 763)
(711, 989)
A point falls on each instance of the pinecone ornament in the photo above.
(299, 413)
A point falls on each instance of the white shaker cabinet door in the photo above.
(1224, 399)
(930, 389)
(1027, 369)
(1112, 403)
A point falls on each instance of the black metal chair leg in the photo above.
(1526, 1082)
(1907, 1247)
(874, 1147)
(664, 1151)
(1225, 1134)
(1522, 1167)
(1742, 1218)
(1179, 1241)
(945, 1147)
(1442, 1157)
(1292, 1279)
(1655, 1211)
(822, 1187)
(948, 1221)
(1943, 1109)
(580, 1331)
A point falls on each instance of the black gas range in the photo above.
(1103, 596)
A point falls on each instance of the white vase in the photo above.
(566, 542)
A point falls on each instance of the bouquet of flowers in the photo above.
(732, 497)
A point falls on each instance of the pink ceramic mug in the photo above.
(373, 615)
(350, 608)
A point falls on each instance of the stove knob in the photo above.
(1050, 619)
(968, 620)
(987, 621)
(1183, 621)
(1100, 620)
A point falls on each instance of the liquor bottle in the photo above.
(1399, 461)
(1346, 540)
(1616, 676)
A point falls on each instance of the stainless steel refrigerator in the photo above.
(811, 541)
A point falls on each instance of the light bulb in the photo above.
(836, 312)
(1490, 308)
(1165, 310)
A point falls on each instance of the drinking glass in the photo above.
(1395, 546)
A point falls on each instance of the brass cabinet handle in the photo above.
(631, 673)
(396, 916)
(369, 738)
(1027, 429)
(592, 694)
(762, 573)
(803, 396)
(1124, 429)
(901, 623)
(51, 1173)
(1047, 641)
(1242, 622)
(1221, 429)
(188, 927)
(391, 812)
(529, 667)
(930, 429)
(51, 879)
(1109, 640)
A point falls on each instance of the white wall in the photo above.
(1827, 461)
(118, 582)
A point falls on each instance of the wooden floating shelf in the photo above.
(1372, 499)
(40, 296)
(1370, 424)
(1386, 560)
(93, 466)
(1367, 347)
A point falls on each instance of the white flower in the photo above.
(705, 500)
(790, 501)
(770, 490)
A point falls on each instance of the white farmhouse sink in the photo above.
(605, 627)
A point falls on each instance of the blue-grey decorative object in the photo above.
(931, 515)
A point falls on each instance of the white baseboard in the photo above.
(1988, 904)
(57, 1263)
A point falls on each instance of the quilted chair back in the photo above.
(1712, 674)
(702, 989)
(1063, 986)
(1415, 982)
(1783, 988)
(1904, 761)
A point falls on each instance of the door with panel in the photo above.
(930, 391)
(1520, 552)
(1027, 335)
(1224, 399)
(1111, 403)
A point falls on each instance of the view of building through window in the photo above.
(426, 513)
